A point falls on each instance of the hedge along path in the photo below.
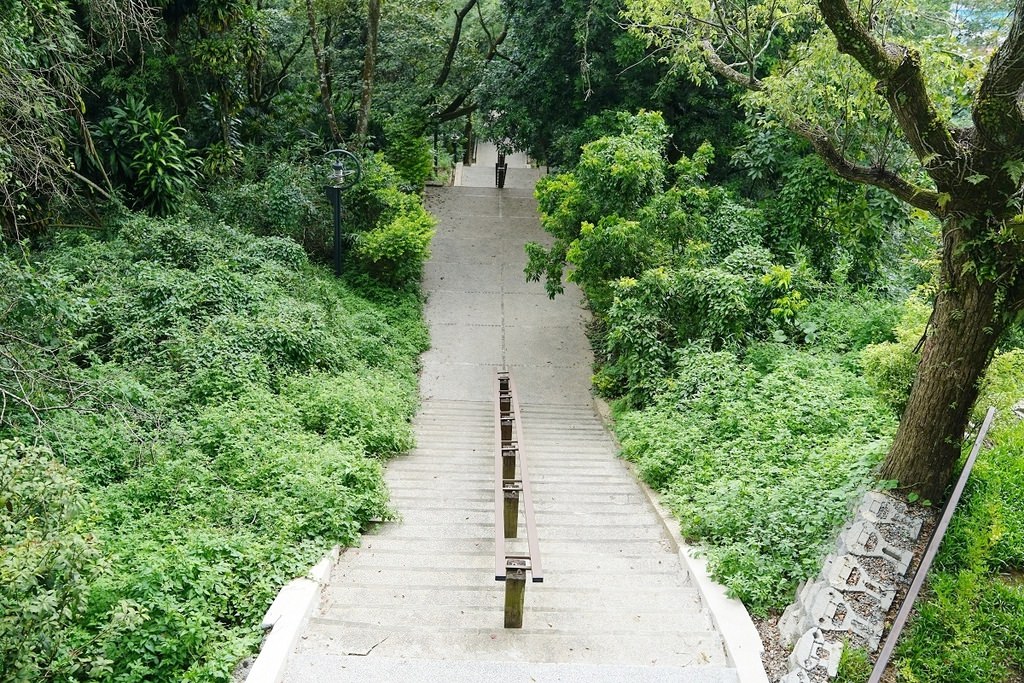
(418, 601)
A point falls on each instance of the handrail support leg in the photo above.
(512, 511)
(515, 595)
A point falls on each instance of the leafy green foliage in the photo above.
(283, 200)
(47, 559)
(890, 366)
(615, 177)
(396, 250)
(409, 153)
(842, 321)
(146, 152)
(44, 60)
(240, 403)
(817, 435)
(386, 228)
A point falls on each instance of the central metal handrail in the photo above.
(512, 484)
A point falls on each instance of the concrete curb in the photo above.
(457, 175)
(286, 619)
(742, 642)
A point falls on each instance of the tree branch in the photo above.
(901, 82)
(997, 108)
(726, 71)
(878, 176)
(455, 108)
(322, 75)
(451, 115)
(456, 104)
(453, 46)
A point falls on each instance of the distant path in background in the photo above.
(481, 174)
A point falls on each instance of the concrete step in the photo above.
(490, 615)
(538, 596)
(451, 576)
(605, 533)
(407, 492)
(376, 558)
(545, 517)
(553, 548)
(526, 644)
(485, 503)
(324, 668)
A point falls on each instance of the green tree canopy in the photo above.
(890, 95)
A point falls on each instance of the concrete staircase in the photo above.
(418, 601)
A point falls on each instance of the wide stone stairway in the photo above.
(418, 601)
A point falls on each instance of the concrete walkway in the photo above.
(418, 601)
(521, 175)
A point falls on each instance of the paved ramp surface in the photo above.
(418, 601)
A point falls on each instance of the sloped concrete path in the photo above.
(418, 601)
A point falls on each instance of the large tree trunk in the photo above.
(369, 64)
(322, 68)
(179, 89)
(962, 335)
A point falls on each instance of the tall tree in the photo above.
(323, 72)
(567, 61)
(880, 107)
(369, 64)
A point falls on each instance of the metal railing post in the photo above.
(509, 489)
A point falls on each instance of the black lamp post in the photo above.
(346, 171)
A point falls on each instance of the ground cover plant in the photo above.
(231, 404)
(759, 458)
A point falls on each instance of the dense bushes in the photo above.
(736, 368)
(759, 458)
(146, 154)
(231, 404)
(759, 357)
(386, 230)
(47, 560)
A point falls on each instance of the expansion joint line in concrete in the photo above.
(501, 289)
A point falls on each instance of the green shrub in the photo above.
(665, 309)
(47, 559)
(371, 407)
(147, 153)
(890, 367)
(230, 394)
(817, 436)
(842, 321)
(409, 153)
(604, 252)
(377, 198)
(286, 201)
(397, 250)
(615, 176)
